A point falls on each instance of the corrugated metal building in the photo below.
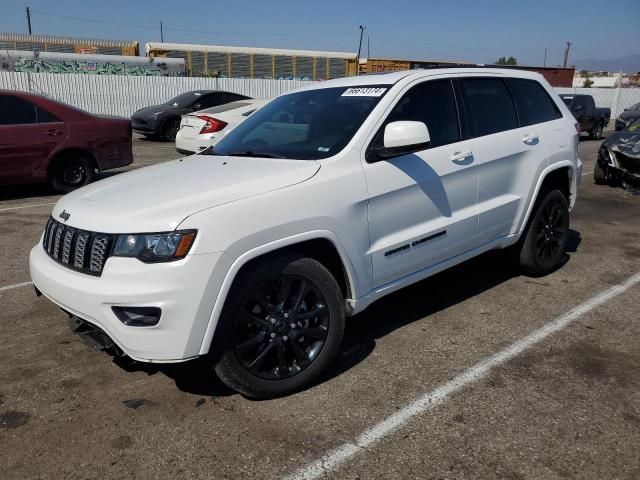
(46, 43)
(249, 62)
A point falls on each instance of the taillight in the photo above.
(577, 125)
(213, 124)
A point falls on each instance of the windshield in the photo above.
(185, 99)
(308, 125)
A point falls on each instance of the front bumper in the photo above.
(184, 290)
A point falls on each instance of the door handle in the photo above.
(462, 158)
(531, 139)
(53, 133)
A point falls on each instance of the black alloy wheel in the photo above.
(550, 232)
(281, 328)
(543, 244)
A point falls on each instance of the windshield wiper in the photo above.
(251, 153)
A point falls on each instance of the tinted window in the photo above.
(532, 101)
(491, 105)
(16, 111)
(432, 103)
(226, 107)
(44, 116)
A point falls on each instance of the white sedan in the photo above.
(202, 129)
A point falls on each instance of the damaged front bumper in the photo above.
(622, 162)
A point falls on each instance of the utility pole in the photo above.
(161, 33)
(566, 55)
(545, 58)
(359, 49)
(29, 20)
(368, 46)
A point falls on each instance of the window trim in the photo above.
(459, 111)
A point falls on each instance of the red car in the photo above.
(42, 140)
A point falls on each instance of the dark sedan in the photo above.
(627, 117)
(42, 140)
(163, 121)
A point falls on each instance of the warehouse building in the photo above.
(46, 43)
(249, 62)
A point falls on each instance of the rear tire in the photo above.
(545, 238)
(70, 173)
(170, 129)
(596, 131)
(600, 174)
(274, 339)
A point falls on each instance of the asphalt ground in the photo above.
(564, 406)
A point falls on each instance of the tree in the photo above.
(587, 83)
(506, 61)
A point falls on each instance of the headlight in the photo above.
(155, 247)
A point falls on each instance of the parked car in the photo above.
(42, 140)
(317, 205)
(619, 158)
(591, 119)
(627, 117)
(202, 129)
(163, 121)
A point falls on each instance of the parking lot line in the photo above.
(588, 173)
(15, 285)
(33, 205)
(334, 458)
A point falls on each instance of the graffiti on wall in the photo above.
(30, 65)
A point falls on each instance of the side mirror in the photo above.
(403, 137)
(577, 108)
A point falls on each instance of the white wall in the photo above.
(123, 95)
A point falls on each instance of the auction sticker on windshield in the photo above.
(364, 92)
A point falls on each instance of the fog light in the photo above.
(138, 316)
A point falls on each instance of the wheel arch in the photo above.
(323, 246)
(61, 155)
(561, 176)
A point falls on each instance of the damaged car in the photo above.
(619, 158)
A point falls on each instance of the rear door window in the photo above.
(491, 105)
(532, 101)
(16, 111)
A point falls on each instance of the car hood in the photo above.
(621, 137)
(159, 197)
(163, 107)
(629, 115)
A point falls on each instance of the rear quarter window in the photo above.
(533, 103)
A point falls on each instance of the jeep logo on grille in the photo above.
(65, 215)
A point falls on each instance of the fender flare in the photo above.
(573, 187)
(258, 251)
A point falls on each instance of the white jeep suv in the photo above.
(253, 252)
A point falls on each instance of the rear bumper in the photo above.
(193, 145)
(184, 291)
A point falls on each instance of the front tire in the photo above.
(545, 238)
(280, 329)
(600, 174)
(170, 129)
(70, 173)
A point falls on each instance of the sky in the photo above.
(476, 31)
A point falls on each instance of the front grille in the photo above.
(78, 250)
